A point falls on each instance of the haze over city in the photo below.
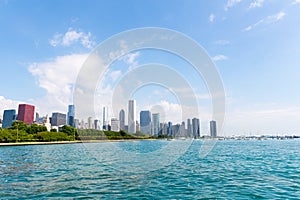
(254, 45)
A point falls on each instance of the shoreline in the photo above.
(122, 140)
(38, 143)
(68, 142)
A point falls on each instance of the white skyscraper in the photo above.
(156, 122)
(104, 120)
(122, 119)
(90, 123)
(115, 124)
(131, 116)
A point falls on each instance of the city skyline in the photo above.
(254, 45)
(148, 124)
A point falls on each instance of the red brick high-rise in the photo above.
(26, 113)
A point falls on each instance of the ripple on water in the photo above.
(233, 170)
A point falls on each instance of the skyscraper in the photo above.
(196, 127)
(213, 128)
(71, 115)
(90, 123)
(155, 120)
(58, 119)
(175, 130)
(9, 116)
(189, 128)
(96, 124)
(182, 130)
(137, 126)
(104, 118)
(122, 119)
(26, 113)
(145, 121)
(131, 116)
(115, 124)
(169, 129)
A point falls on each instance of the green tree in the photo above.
(34, 129)
(18, 125)
(69, 130)
(6, 136)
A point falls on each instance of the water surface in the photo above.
(251, 169)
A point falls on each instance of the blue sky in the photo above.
(254, 44)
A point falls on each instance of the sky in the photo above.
(254, 45)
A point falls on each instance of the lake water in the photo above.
(268, 169)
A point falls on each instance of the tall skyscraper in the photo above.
(96, 124)
(213, 128)
(175, 130)
(104, 118)
(37, 117)
(9, 116)
(196, 127)
(145, 121)
(131, 116)
(122, 119)
(71, 115)
(155, 122)
(169, 129)
(164, 128)
(58, 119)
(137, 126)
(26, 113)
(189, 128)
(182, 129)
(90, 123)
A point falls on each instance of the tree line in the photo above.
(20, 132)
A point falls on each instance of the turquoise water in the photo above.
(253, 169)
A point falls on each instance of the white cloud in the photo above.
(296, 2)
(231, 3)
(72, 37)
(222, 42)
(266, 21)
(114, 75)
(219, 57)
(7, 104)
(211, 18)
(57, 78)
(131, 59)
(256, 4)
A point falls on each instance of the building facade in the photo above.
(71, 116)
(26, 113)
(9, 116)
(122, 119)
(213, 128)
(115, 124)
(145, 121)
(196, 127)
(156, 123)
(104, 119)
(131, 116)
(189, 128)
(90, 123)
(58, 119)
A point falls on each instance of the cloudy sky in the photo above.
(253, 43)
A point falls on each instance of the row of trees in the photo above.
(20, 132)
